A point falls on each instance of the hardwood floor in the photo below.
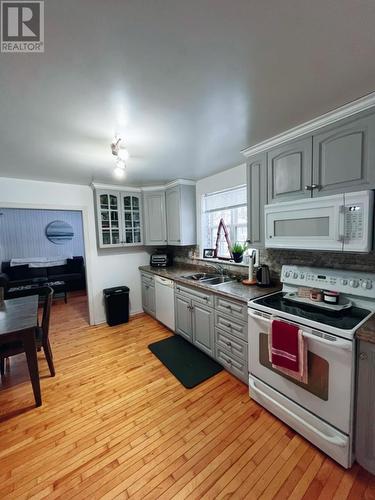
(116, 424)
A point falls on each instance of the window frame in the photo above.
(232, 227)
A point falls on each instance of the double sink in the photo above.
(209, 279)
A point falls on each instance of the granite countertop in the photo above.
(233, 290)
(367, 331)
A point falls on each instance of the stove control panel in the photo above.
(349, 282)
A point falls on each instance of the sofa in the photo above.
(73, 273)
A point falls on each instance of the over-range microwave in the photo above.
(342, 222)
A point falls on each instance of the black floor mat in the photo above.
(187, 363)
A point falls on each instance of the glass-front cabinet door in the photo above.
(132, 218)
(119, 218)
(108, 205)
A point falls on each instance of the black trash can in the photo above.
(116, 305)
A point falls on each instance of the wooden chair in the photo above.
(41, 335)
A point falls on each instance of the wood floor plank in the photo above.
(116, 424)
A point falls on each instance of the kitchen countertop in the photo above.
(367, 331)
(232, 290)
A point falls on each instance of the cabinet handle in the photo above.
(147, 287)
(227, 324)
(312, 187)
(229, 361)
(363, 356)
(228, 307)
(229, 344)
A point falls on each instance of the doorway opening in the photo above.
(46, 247)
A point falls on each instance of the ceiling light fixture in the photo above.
(121, 156)
(119, 170)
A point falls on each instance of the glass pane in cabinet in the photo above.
(115, 237)
(128, 219)
(106, 238)
(136, 216)
(113, 202)
(129, 236)
(137, 225)
(104, 201)
(105, 220)
(127, 202)
(137, 236)
(135, 202)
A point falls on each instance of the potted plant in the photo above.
(237, 251)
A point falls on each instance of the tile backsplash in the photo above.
(275, 259)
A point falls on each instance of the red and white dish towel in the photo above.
(288, 350)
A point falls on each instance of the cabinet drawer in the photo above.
(230, 325)
(233, 364)
(236, 309)
(231, 344)
(195, 294)
(147, 279)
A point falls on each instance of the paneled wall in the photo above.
(23, 233)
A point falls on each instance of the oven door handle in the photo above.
(335, 440)
(346, 346)
(255, 315)
(338, 344)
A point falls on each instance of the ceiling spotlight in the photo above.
(123, 153)
(117, 150)
(119, 172)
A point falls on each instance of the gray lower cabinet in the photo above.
(183, 317)
(365, 428)
(256, 199)
(216, 325)
(289, 171)
(233, 364)
(195, 318)
(203, 328)
(155, 218)
(344, 157)
(231, 336)
(148, 294)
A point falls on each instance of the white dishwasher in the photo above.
(164, 301)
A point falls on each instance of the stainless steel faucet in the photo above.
(219, 269)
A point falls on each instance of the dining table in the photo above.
(18, 321)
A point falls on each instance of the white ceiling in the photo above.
(187, 83)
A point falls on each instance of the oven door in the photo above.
(328, 392)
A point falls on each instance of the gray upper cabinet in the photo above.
(155, 218)
(289, 169)
(204, 328)
(344, 157)
(119, 218)
(256, 199)
(181, 215)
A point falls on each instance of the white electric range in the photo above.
(321, 410)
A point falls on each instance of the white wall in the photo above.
(105, 269)
(230, 178)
